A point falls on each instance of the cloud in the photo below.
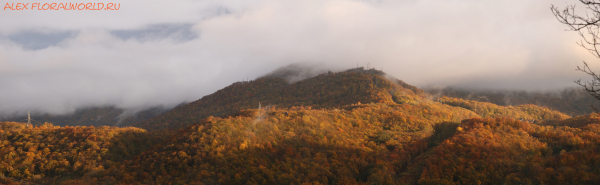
(152, 53)
(37, 40)
(178, 32)
(298, 71)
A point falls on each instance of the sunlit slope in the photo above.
(508, 151)
(576, 122)
(323, 91)
(48, 154)
(377, 143)
(355, 143)
(526, 112)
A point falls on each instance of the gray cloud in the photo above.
(164, 52)
(215, 11)
(33, 40)
(177, 32)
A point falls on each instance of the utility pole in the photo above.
(28, 118)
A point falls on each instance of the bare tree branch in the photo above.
(595, 109)
(587, 26)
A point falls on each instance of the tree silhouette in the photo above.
(587, 25)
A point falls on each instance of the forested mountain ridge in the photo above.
(326, 90)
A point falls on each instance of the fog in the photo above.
(151, 53)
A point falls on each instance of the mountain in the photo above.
(93, 116)
(571, 101)
(323, 91)
(351, 127)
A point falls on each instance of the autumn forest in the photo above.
(359, 126)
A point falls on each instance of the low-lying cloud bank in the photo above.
(152, 53)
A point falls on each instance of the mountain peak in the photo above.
(297, 72)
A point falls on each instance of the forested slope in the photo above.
(508, 151)
(47, 153)
(356, 143)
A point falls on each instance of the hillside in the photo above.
(366, 144)
(323, 91)
(47, 153)
(351, 127)
(297, 145)
(508, 151)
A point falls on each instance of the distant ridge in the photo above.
(571, 101)
(93, 116)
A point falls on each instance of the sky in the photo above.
(150, 53)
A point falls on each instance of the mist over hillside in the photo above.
(92, 116)
(298, 71)
(573, 101)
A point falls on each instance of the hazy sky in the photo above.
(164, 52)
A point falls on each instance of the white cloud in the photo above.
(503, 44)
